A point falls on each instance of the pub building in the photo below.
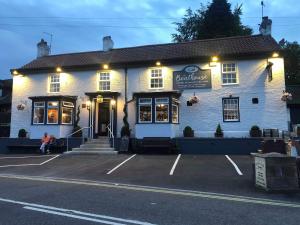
(235, 81)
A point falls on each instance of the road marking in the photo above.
(75, 213)
(31, 164)
(234, 165)
(174, 165)
(112, 170)
(25, 157)
(177, 192)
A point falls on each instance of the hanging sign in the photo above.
(191, 77)
(99, 99)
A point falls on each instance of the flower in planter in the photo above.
(194, 99)
(21, 106)
(286, 96)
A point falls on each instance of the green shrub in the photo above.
(22, 133)
(219, 131)
(188, 132)
(255, 131)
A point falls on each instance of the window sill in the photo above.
(231, 84)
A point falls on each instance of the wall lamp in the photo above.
(58, 69)
(158, 63)
(105, 66)
(213, 61)
(275, 55)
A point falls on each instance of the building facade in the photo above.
(236, 82)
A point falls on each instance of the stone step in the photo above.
(93, 149)
(84, 152)
(100, 141)
(95, 145)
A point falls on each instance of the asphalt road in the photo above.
(78, 190)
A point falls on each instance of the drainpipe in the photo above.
(126, 78)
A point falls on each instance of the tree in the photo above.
(291, 54)
(211, 21)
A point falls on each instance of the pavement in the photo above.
(138, 189)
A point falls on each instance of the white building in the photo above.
(238, 82)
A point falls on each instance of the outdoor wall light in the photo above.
(113, 102)
(15, 72)
(105, 66)
(214, 59)
(88, 104)
(275, 55)
(158, 63)
(58, 69)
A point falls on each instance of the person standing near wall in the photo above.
(45, 140)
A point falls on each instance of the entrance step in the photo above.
(95, 145)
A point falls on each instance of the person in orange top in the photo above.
(45, 140)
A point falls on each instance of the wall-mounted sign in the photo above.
(191, 77)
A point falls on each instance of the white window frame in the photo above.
(56, 78)
(229, 72)
(62, 109)
(154, 78)
(166, 103)
(238, 109)
(53, 107)
(35, 105)
(144, 104)
(104, 80)
(68, 104)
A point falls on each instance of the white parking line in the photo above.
(234, 165)
(75, 214)
(112, 170)
(25, 157)
(174, 165)
(30, 164)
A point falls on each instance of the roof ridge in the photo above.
(162, 44)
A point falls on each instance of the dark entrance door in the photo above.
(103, 118)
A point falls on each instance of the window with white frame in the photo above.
(162, 110)
(67, 112)
(145, 110)
(156, 79)
(38, 113)
(174, 113)
(229, 73)
(104, 81)
(52, 112)
(231, 112)
(54, 81)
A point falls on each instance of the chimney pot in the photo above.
(43, 49)
(265, 27)
(108, 43)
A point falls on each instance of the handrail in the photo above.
(111, 135)
(75, 133)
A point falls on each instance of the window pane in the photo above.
(162, 113)
(54, 83)
(156, 80)
(145, 100)
(52, 104)
(68, 104)
(67, 114)
(145, 113)
(162, 100)
(174, 113)
(38, 115)
(52, 116)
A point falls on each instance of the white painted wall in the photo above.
(203, 117)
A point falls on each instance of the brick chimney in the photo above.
(265, 27)
(42, 49)
(108, 43)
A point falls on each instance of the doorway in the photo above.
(103, 117)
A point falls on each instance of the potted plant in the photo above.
(22, 133)
(188, 132)
(76, 126)
(255, 131)
(219, 131)
(125, 132)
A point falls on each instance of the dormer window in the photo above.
(104, 81)
(156, 79)
(54, 80)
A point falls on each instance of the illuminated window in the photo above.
(38, 113)
(156, 79)
(229, 73)
(54, 83)
(174, 113)
(52, 113)
(104, 81)
(231, 112)
(145, 110)
(162, 110)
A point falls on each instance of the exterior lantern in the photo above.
(99, 99)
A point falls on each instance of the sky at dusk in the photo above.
(79, 25)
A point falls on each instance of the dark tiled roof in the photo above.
(231, 46)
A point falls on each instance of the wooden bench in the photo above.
(158, 143)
